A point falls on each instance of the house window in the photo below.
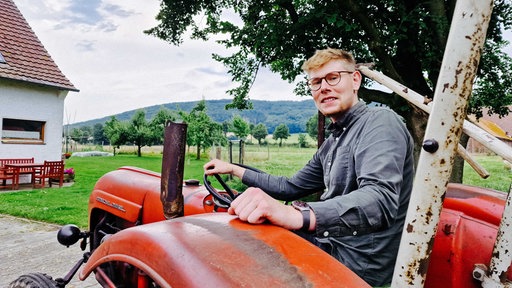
(22, 131)
(2, 59)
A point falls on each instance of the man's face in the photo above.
(333, 101)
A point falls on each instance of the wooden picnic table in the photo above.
(23, 168)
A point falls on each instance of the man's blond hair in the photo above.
(324, 56)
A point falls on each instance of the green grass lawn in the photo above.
(69, 204)
(500, 178)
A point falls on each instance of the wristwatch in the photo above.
(304, 208)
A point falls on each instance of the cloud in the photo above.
(85, 46)
(118, 10)
(100, 46)
(84, 12)
(211, 71)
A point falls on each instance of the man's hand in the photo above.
(255, 206)
(216, 166)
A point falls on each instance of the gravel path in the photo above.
(30, 246)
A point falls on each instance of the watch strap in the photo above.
(306, 220)
(304, 209)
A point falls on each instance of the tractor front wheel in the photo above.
(34, 280)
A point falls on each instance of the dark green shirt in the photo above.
(365, 170)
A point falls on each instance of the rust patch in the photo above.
(503, 277)
(256, 249)
(410, 228)
(445, 86)
(409, 274)
(447, 229)
(428, 215)
(423, 267)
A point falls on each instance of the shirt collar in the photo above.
(336, 128)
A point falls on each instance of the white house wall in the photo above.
(19, 100)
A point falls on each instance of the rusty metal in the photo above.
(480, 135)
(502, 252)
(460, 62)
(475, 132)
(173, 162)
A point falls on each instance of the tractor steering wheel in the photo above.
(222, 200)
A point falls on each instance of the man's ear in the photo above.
(356, 80)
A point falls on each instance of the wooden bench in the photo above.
(4, 161)
(51, 170)
(25, 170)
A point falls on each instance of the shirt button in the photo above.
(326, 233)
(354, 233)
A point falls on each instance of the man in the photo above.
(365, 170)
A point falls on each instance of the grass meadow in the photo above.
(69, 204)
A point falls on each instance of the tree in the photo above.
(225, 128)
(240, 127)
(302, 141)
(116, 132)
(405, 39)
(260, 132)
(81, 135)
(281, 133)
(159, 121)
(215, 136)
(312, 126)
(140, 132)
(76, 135)
(98, 134)
(200, 127)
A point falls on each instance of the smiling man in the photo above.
(365, 170)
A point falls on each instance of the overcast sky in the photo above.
(100, 47)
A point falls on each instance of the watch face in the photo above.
(300, 205)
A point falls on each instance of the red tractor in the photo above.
(192, 242)
(131, 244)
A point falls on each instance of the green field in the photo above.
(69, 204)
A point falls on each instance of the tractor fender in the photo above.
(219, 250)
(480, 203)
(465, 236)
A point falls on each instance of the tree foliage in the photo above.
(259, 132)
(240, 127)
(281, 133)
(312, 126)
(81, 135)
(140, 131)
(158, 123)
(202, 132)
(116, 132)
(405, 40)
(303, 143)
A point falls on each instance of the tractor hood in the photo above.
(218, 250)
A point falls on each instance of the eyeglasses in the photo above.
(331, 78)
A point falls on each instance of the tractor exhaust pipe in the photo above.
(173, 160)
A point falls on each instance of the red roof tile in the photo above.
(26, 58)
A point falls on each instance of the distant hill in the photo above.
(294, 114)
